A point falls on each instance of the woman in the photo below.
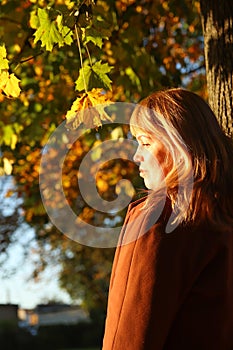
(172, 279)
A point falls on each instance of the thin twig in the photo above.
(10, 20)
(194, 70)
(31, 57)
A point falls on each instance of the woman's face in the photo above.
(153, 159)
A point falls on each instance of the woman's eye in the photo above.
(146, 144)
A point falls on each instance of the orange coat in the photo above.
(170, 291)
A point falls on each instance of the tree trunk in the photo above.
(217, 23)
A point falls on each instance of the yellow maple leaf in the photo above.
(3, 79)
(88, 109)
(9, 84)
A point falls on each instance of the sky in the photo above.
(16, 283)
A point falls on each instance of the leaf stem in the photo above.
(89, 56)
(81, 58)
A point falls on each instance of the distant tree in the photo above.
(10, 217)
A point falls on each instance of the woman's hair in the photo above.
(200, 183)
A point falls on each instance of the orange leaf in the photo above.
(88, 109)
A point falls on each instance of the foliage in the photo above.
(89, 110)
(49, 32)
(9, 84)
(69, 54)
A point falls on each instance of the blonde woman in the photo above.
(172, 280)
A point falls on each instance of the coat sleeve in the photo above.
(150, 279)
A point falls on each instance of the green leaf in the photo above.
(100, 71)
(47, 32)
(65, 31)
(34, 20)
(97, 31)
(84, 78)
(94, 76)
(95, 36)
(3, 60)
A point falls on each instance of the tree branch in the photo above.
(10, 20)
(194, 70)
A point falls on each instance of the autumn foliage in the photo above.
(61, 57)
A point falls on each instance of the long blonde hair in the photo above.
(200, 183)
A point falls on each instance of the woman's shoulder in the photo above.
(137, 203)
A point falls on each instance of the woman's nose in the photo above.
(137, 156)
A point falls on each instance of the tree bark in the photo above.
(217, 23)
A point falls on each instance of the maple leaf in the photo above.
(65, 31)
(96, 32)
(34, 20)
(95, 36)
(94, 76)
(3, 60)
(84, 78)
(9, 84)
(88, 109)
(47, 31)
(100, 70)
